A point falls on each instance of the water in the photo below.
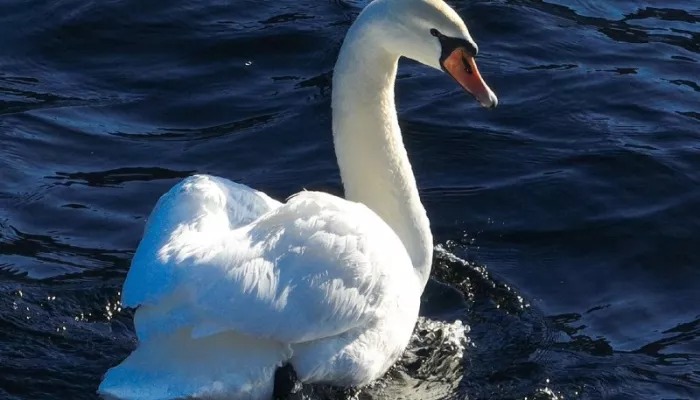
(565, 220)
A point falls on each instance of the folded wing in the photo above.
(219, 257)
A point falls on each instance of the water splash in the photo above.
(432, 365)
(430, 368)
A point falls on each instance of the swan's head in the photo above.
(432, 33)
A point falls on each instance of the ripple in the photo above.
(43, 257)
(115, 177)
(191, 134)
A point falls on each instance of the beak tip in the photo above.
(491, 102)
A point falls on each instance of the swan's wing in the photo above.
(314, 267)
(200, 203)
(243, 203)
(200, 195)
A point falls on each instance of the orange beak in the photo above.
(462, 67)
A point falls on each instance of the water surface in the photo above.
(566, 220)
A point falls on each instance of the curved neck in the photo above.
(374, 166)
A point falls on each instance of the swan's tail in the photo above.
(225, 365)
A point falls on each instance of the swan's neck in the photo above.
(374, 166)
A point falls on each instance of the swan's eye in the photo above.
(467, 65)
(435, 32)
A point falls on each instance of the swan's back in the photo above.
(221, 278)
(313, 267)
(200, 203)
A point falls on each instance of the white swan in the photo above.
(231, 284)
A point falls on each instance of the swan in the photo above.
(229, 284)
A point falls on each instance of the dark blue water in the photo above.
(576, 203)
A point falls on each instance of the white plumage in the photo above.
(282, 265)
(230, 284)
(236, 270)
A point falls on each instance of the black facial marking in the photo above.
(467, 66)
(449, 44)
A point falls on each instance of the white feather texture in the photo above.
(282, 266)
(230, 284)
(221, 301)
